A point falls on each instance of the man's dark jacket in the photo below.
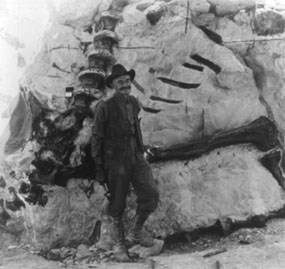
(111, 132)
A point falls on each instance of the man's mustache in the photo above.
(125, 88)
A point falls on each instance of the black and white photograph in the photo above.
(142, 134)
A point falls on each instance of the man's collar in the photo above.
(121, 97)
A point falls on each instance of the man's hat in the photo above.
(119, 70)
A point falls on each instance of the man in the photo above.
(117, 149)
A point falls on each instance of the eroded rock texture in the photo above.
(204, 93)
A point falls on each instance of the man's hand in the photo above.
(100, 174)
(148, 154)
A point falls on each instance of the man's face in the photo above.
(123, 84)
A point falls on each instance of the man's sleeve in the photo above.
(137, 103)
(100, 116)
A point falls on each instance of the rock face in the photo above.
(193, 193)
(194, 78)
(71, 213)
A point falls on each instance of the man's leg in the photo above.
(147, 200)
(118, 184)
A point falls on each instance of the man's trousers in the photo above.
(135, 170)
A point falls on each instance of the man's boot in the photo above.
(136, 236)
(120, 249)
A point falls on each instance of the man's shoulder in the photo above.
(133, 98)
(101, 105)
(135, 101)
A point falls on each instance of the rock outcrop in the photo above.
(201, 81)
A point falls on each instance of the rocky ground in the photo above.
(245, 248)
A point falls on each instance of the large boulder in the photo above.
(226, 183)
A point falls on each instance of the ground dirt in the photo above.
(246, 248)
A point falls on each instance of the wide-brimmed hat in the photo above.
(117, 71)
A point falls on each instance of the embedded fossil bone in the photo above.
(262, 133)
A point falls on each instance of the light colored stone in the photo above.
(69, 216)
(144, 252)
(78, 14)
(228, 7)
(53, 254)
(193, 193)
(231, 113)
(268, 63)
(82, 251)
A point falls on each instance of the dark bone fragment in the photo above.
(272, 161)
(138, 86)
(212, 35)
(54, 65)
(262, 133)
(157, 98)
(179, 84)
(151, 110)
(193, 66)
(215, 252)
(196, 57)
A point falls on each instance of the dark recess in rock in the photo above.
(213, 9)
(272, 161)
(35, 194)
(4, 215)
(179, 84)
(154, 16)
(88, 29)
(95, 236)
(212, 35)
(151, 70)
(196, 57)
(222, 228)
(2, 182)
